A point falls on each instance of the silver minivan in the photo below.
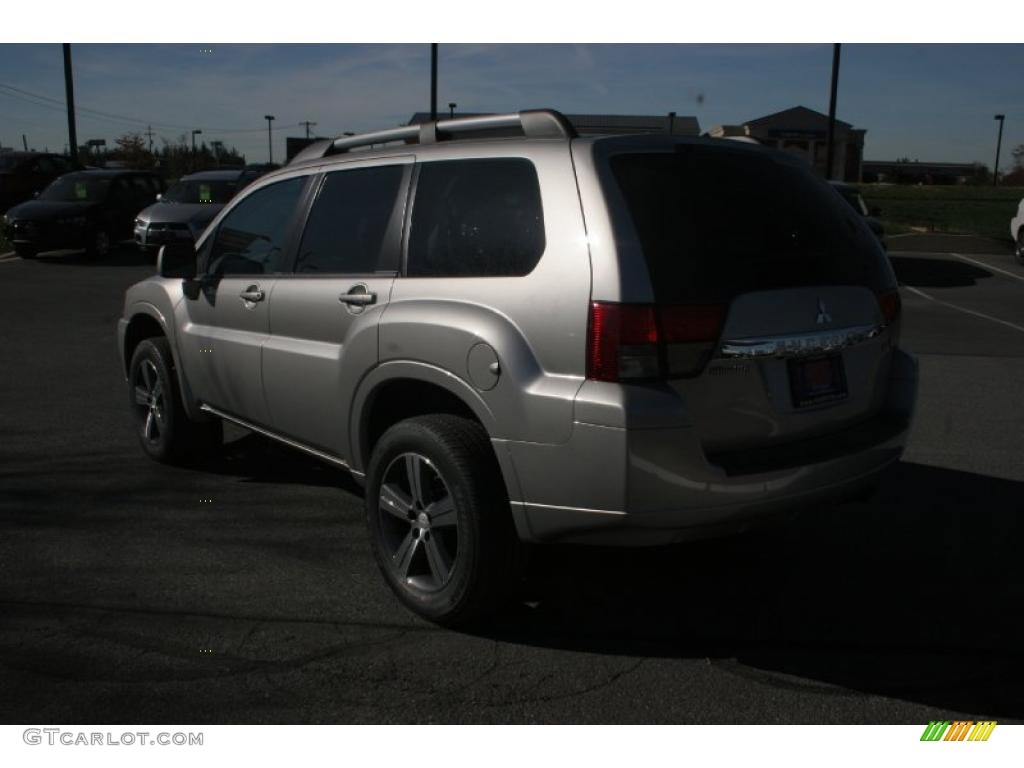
(511, 334)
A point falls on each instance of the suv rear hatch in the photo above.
(775, 310)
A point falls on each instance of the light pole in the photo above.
(194, 132)
(831, 136)
(433, 81)
(270, 141)
(671, 122)
(451, 109)
(999, 145)
(69, 91)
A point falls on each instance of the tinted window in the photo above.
(201, 191)
(74, 187)
(346, 227)
(44, 165)
(251, 238)
(476, 218)
(715, 222)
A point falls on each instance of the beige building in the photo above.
(804, 132)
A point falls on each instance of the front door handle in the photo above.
(252, 293)
(358, 296)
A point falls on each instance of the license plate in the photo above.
(817, 380)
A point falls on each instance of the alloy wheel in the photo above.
(101, 243)
(418, 523)
(149, 399)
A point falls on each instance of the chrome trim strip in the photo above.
(799, 344)
(274, 436)
(567, 509)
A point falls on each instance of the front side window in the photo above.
(476, 218)
(251, 238)
(346, 230)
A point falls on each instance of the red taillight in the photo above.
(890, 305)
(639, 341)
(622, 342)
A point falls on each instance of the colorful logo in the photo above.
(958, 730)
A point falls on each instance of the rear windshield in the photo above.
(201, 191)
(77, 188)
(715, 222)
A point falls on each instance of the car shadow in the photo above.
(253, 458)
(122, 255)
(914, 594)
(927, 272)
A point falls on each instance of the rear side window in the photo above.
(476, 218)
(346, 229)
(251, 238)
(716, 222)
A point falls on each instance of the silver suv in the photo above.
(509, 333)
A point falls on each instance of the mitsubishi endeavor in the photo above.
(509, 333)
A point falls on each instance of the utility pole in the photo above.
(69, 90)
(149, 133)
(999, 145)
(830, 145)
(433, 81)
(270, 139)
(671, 122)
(451, 109)
(307, 123)
(24, 142)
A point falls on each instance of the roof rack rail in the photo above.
(531, 123)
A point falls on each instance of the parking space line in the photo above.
(12, 256)
(982, 315)
(986, 265)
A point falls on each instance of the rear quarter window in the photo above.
(715, 222)
(476, 218)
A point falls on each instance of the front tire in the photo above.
(438, 517)
(162, 426)
(1019, 250)
(99, 243)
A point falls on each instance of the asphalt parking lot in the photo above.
(125, 598)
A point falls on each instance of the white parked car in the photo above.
(1017, 231)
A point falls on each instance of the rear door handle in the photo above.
(252, 293)
(358, 296)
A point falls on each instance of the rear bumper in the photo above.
(614, 485)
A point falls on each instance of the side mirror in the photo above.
(876, 212)
(177, 260)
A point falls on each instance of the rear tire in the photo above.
(439, 521)
(1019, 251)
(162, 426)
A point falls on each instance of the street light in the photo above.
(999, 145)
(270, 142)
(451, 109)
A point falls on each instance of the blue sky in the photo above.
(931, 102)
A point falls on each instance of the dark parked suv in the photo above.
(85, 209)
(23, 174)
